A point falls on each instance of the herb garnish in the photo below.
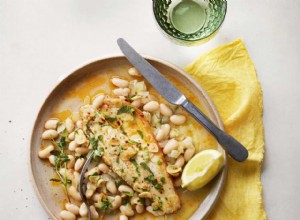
(110, 119)
(151, 179)
(142, 201)
(105, 205)
(130, 194)
(141, 133)
(61, 159)
(129, 98)
(145, 166)
(133, 161)
(126, 109)
(159, 207)
(132, 141)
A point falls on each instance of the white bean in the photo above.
(52, 123)
(121, 91)
(76, 177)
(111, 187)
(124, 188)
(163, 132)
(180, 161)
(177, 119)
(61, 128)
(137, 103)
(49, 134)
(139, 208)
(121, 83)
(71, 136)
(52, 159)
(82, 150)
(91, 172)
(78, 164)
(72, 208)
(94, 213)
(133, 72)
(127, 210)
(171, 145)
(117, 201)
(80, 137)
(151, 106)
(103, 168)
(45, 153)
(66, 215)
(71, 162)
(123, 217)
(165, 110)
(79, 124)
(83, 211)
(74, 193)
(70, 125)
(98, 101)
(73, 145)
(155, 213)
(189, 153)
(96, 197)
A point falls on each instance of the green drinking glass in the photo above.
(189, 22)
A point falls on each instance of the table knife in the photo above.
(235, 149)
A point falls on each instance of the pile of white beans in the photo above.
(164, 119)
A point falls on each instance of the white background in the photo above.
(42, 40)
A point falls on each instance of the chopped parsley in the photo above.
(110, 119)
(163, 180)
(120, 182)
(130, 194)
(129, 98)
(99, 152)
(59, 181)
(159, 162)
(142, 201)
(159, 207)
(126, 109)
(62, 144)
(55, 152)
(93, 142)
(145, 166)
(132, 141)
(133, 161)
(141, 133)
(106, 205)
(153, 181)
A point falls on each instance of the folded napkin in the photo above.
(228, 76)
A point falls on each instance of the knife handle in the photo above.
(235, 149)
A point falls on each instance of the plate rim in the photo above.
(217, 189)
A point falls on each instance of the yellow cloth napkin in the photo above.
(228, 76)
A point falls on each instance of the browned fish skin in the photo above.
(140, 162)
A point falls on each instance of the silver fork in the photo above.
(81, 183)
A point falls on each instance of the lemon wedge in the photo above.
(201, 169)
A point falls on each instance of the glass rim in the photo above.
(190, 40)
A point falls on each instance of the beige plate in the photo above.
(40, 173)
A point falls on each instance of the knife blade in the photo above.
(235, 149)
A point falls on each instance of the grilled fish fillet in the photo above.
(130, 149)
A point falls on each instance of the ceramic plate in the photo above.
(41, 173)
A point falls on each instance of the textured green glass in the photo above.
(215, 11)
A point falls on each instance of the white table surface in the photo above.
(42, 40)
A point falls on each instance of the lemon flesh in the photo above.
(201, 169)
